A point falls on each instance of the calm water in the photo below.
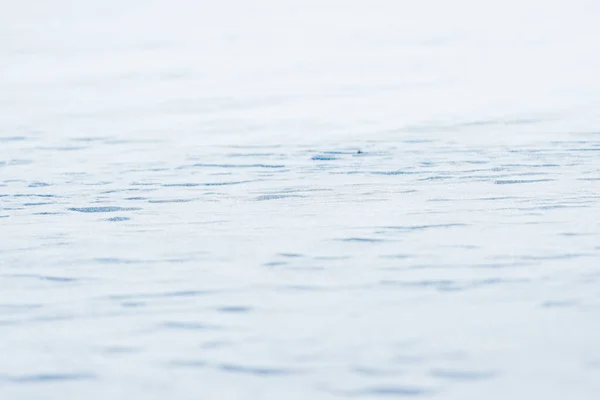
(299, 200)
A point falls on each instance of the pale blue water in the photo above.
(299, 200)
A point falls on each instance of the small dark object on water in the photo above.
(359, 152)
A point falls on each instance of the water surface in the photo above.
(299, 200)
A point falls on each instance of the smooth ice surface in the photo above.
(279, 199)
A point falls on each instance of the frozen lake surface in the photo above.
(299, 199)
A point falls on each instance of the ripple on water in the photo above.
(388, 391)
(117, 219)
(32, 195)
(38, 184)
(49, 278)
(192, 184)
(235, 368)
(255, 370)
(362, 240)
(166, 201)
(291, 255)
(561, 303)
(267, 197)
(423, 227)
(234, 309)
(12, 138)
(105, 209)
(448, 285)
(185, 325)
(324, 157)
(262, 166)
(158, 295)
(520, 181)
(48, 213)
(391, 172)
(47, 377)
(457, 375)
